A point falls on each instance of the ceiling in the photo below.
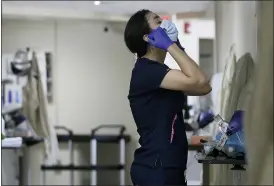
(117, 8)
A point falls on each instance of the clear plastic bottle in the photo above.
(221, 123)
(221, 137)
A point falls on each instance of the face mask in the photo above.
(171, 29)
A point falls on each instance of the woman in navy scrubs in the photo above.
(156, 99)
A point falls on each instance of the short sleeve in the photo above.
(152, 74)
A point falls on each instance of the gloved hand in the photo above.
(205, 117)
(159, 39)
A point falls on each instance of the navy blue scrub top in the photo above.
(158, 115)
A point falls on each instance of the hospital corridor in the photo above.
(137, 93)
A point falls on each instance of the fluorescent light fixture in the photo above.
(97, 2)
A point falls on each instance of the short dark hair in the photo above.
(137, 26)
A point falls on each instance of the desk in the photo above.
(85, 138)
(221, 160)
(206, 161)
(25, 142)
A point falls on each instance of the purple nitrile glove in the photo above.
(236, 122)
(179, 45)
(159, 39)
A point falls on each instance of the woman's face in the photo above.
(153, 20)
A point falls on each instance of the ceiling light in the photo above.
(97, 2)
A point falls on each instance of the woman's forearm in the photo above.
(187, 65)
(200, 91)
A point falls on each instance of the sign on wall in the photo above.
(187, 28)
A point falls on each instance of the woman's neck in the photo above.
(159, 57)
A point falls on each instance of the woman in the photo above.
(156, 98)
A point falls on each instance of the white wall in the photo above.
(236, 23)
(91, 74)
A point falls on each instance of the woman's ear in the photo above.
(145, 37)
